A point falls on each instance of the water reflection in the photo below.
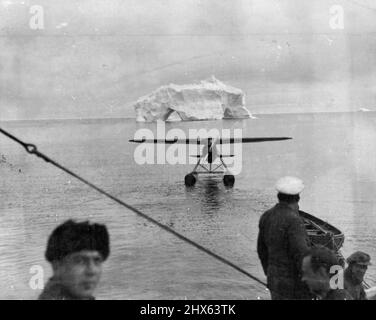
(209, 192)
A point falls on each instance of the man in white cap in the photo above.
(283, 242)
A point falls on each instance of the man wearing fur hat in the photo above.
(283, 242)
(76, 251)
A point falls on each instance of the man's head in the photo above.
(316, 268)
(289, 189)
(76, 252)
(358, 265)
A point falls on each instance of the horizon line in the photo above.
(126, 118)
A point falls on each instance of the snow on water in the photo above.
(208, 100)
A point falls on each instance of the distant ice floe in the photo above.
(62, 25)
(209, 99)
(364, 110)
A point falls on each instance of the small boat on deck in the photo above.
(322, 233)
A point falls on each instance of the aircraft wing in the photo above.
(204, 140)
(169, 141)
(250, 140)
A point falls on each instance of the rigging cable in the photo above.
(32, 149)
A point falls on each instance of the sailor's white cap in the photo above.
(289, 185)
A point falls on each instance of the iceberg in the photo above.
(210, 99)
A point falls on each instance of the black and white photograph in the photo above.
(190, 150)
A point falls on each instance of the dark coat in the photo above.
(281, 245)
(354, 287)
(56, 291)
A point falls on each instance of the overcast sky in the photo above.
(94, 58)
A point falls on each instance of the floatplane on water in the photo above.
(207, 163)
(319, 232)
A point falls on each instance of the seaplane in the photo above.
(207, 163)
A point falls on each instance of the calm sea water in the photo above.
(333, 153)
